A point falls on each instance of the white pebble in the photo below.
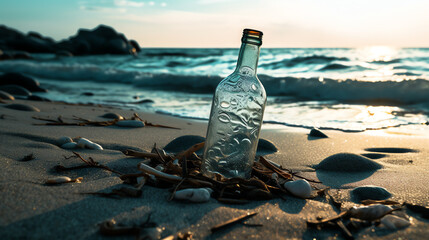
(275, 176)
(130, 123)
(371, 212)
(159, 167)
(63, 140)
(62, 179)
(94, 146)
(85, 143)
(197, 195)
(299, 188)
(176, 162)
(70, 145)
(395, 222)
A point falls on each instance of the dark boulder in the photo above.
(21, 80)
(101, 40)
(11, 39)
(15, 90)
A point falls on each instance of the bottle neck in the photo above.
(248, 58)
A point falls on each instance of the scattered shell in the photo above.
(63, 140)
(371, 212)
(85, 143)
(160, 167)
(6, 96)
(299, 188)
(395, 222)
(165, 176)
(63, 179)
(197, 195)
(70, 145)
(112, 116)
(348, 162)
(317, 133)
(370, 192)
(130, 123)
(23, 107)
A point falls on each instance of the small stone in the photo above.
(130, 123)
(370, 192)
(371, 212)
(317, 133)
(299, 188)
(182, 143)
(63, 179)
(15, 90)
(196, 195)
(266, 147)
(58, 180)
(21, 80)
(348, 162)
(22, 107)
(394, 222)
(64, 140)
(85, 143)
(112, 116)
(70, 145)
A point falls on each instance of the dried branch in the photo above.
(94, 164)
(270, 166)
(232, 221)
(190, 151)
(133, 153)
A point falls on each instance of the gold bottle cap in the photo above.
(252, 36)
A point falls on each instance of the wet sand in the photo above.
(31, 209)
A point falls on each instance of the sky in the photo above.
(219, 23)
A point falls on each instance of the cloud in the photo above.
(128, 3)
(212, 1)
(102, 9)
(113, 6)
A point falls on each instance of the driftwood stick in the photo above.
(133, 153)
(232, 221)
(270, 166)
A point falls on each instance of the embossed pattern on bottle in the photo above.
(235, 121)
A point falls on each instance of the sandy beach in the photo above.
(31, 209)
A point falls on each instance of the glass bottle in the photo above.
(236, 115)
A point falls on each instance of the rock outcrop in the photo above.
(101, 40)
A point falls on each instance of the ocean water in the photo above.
(348, 89)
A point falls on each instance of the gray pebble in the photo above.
(15, 90)
(63, 140)
(348, 162)
(369, 192)
(23, 107)
(266, 147)
(182, 143)
(112, 116)
(317, 133)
